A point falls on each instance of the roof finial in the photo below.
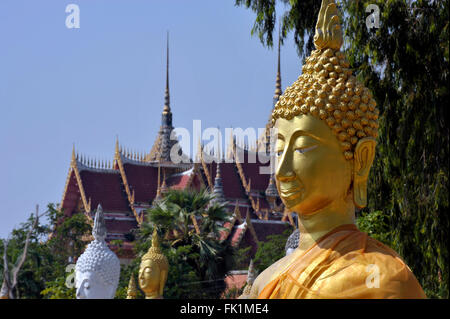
(74, 157)
(117, 146)
(158, 189)
(164, 188)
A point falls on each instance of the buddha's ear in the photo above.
(162, 281)
(363, 158)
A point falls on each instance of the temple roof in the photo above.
(129, 186)
(142, 180)
(104, 187)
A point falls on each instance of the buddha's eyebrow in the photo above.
(280, 136)
(300, 132)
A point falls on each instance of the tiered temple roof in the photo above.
(129, 185)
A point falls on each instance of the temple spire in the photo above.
(278, 91)
(167, 92)
(161, 151)
(271, 192)
(219, 196)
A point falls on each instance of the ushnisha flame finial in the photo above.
(328, 28)
(99, 229)
(155, 241)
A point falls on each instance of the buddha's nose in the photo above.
(78, 294)
(285, 172)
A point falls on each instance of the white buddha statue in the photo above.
(97, 270)
(292, 242)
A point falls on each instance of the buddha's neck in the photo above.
(152, 295)
(313, 227)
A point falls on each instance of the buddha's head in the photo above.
(132, 291)
(326, 124)
(97, 270)
(153, 270)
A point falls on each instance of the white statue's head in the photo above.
(97, 270)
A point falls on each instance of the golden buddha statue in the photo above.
(326, 126)
(132, 291)
(153, 271)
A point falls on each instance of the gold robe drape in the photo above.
(345, 263)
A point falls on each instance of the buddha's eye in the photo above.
(279, 153)
(303, 150)
(86, 285)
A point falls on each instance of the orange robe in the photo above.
(345, 263)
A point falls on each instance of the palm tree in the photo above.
(190, 218)
(183, 213)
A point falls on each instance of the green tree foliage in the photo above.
(43, 274)
(271, 250)
(64, 245)
(300, 16)
(242, 258)
(405, 63)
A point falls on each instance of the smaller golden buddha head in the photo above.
(153, 270)
(326, 125)
(132, 291)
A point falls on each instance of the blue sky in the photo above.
(61, 86)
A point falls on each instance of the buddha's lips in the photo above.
(291, 192)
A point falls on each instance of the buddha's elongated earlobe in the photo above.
(363, 159)
(162, 281)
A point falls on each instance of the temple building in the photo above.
(129, 184)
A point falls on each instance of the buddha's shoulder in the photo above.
(372, 254)
(374, 265)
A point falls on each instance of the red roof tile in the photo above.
(143, 180)
(178, 181)
(259, 182)
(104, 188)
(72, 195)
